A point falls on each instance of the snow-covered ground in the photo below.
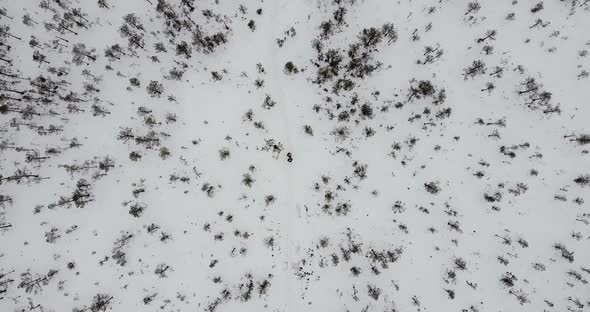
(341, 155)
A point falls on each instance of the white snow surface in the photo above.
(399, 197)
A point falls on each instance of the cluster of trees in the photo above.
(339, 66)
(536, 98)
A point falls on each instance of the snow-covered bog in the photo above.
(343, 155)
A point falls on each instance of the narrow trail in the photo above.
(288, 209)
